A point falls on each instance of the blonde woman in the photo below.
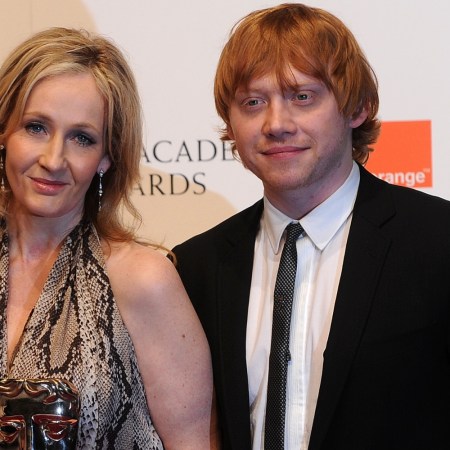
(80, 298)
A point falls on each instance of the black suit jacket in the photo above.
(386, 374)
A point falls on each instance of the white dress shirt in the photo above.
(320, 253)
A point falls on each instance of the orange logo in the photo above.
(402, 154)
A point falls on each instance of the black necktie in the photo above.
(279, 351)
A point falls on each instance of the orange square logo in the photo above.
(402, 154)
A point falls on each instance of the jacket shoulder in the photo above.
(238, 226)
(377, 198)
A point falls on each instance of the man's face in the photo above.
(296, 141)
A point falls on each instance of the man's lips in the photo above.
(285, 150)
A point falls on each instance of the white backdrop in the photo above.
(189, 180)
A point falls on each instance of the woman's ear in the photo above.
(105, 164)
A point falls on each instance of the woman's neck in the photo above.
(33, 238)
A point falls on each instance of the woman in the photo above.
(84, 301)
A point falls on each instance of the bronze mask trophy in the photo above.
(38, 414)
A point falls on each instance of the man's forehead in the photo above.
(284, 80)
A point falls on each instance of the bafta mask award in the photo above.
(38, 414)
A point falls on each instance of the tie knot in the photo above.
(293, 231)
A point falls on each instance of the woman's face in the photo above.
(57, 148)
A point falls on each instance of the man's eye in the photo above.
(252, 102)
(302, 96)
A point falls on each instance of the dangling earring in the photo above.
(2, 169)
(100, 189)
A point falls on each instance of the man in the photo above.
(368, 351)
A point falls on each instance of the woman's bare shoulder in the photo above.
(170, 344)
(139, 272)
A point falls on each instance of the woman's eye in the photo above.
(83, 140)
(35, 128)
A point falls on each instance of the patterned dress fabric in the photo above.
(75, 332)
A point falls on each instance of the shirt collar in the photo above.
(322, 223)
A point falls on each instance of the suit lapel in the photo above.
(365, 254)
(233, 290)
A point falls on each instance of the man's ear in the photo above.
(358, 118)
(230, 132)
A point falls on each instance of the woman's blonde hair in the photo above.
(60, 51)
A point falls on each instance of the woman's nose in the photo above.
(53, 155)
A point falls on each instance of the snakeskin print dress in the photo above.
(75, 332)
